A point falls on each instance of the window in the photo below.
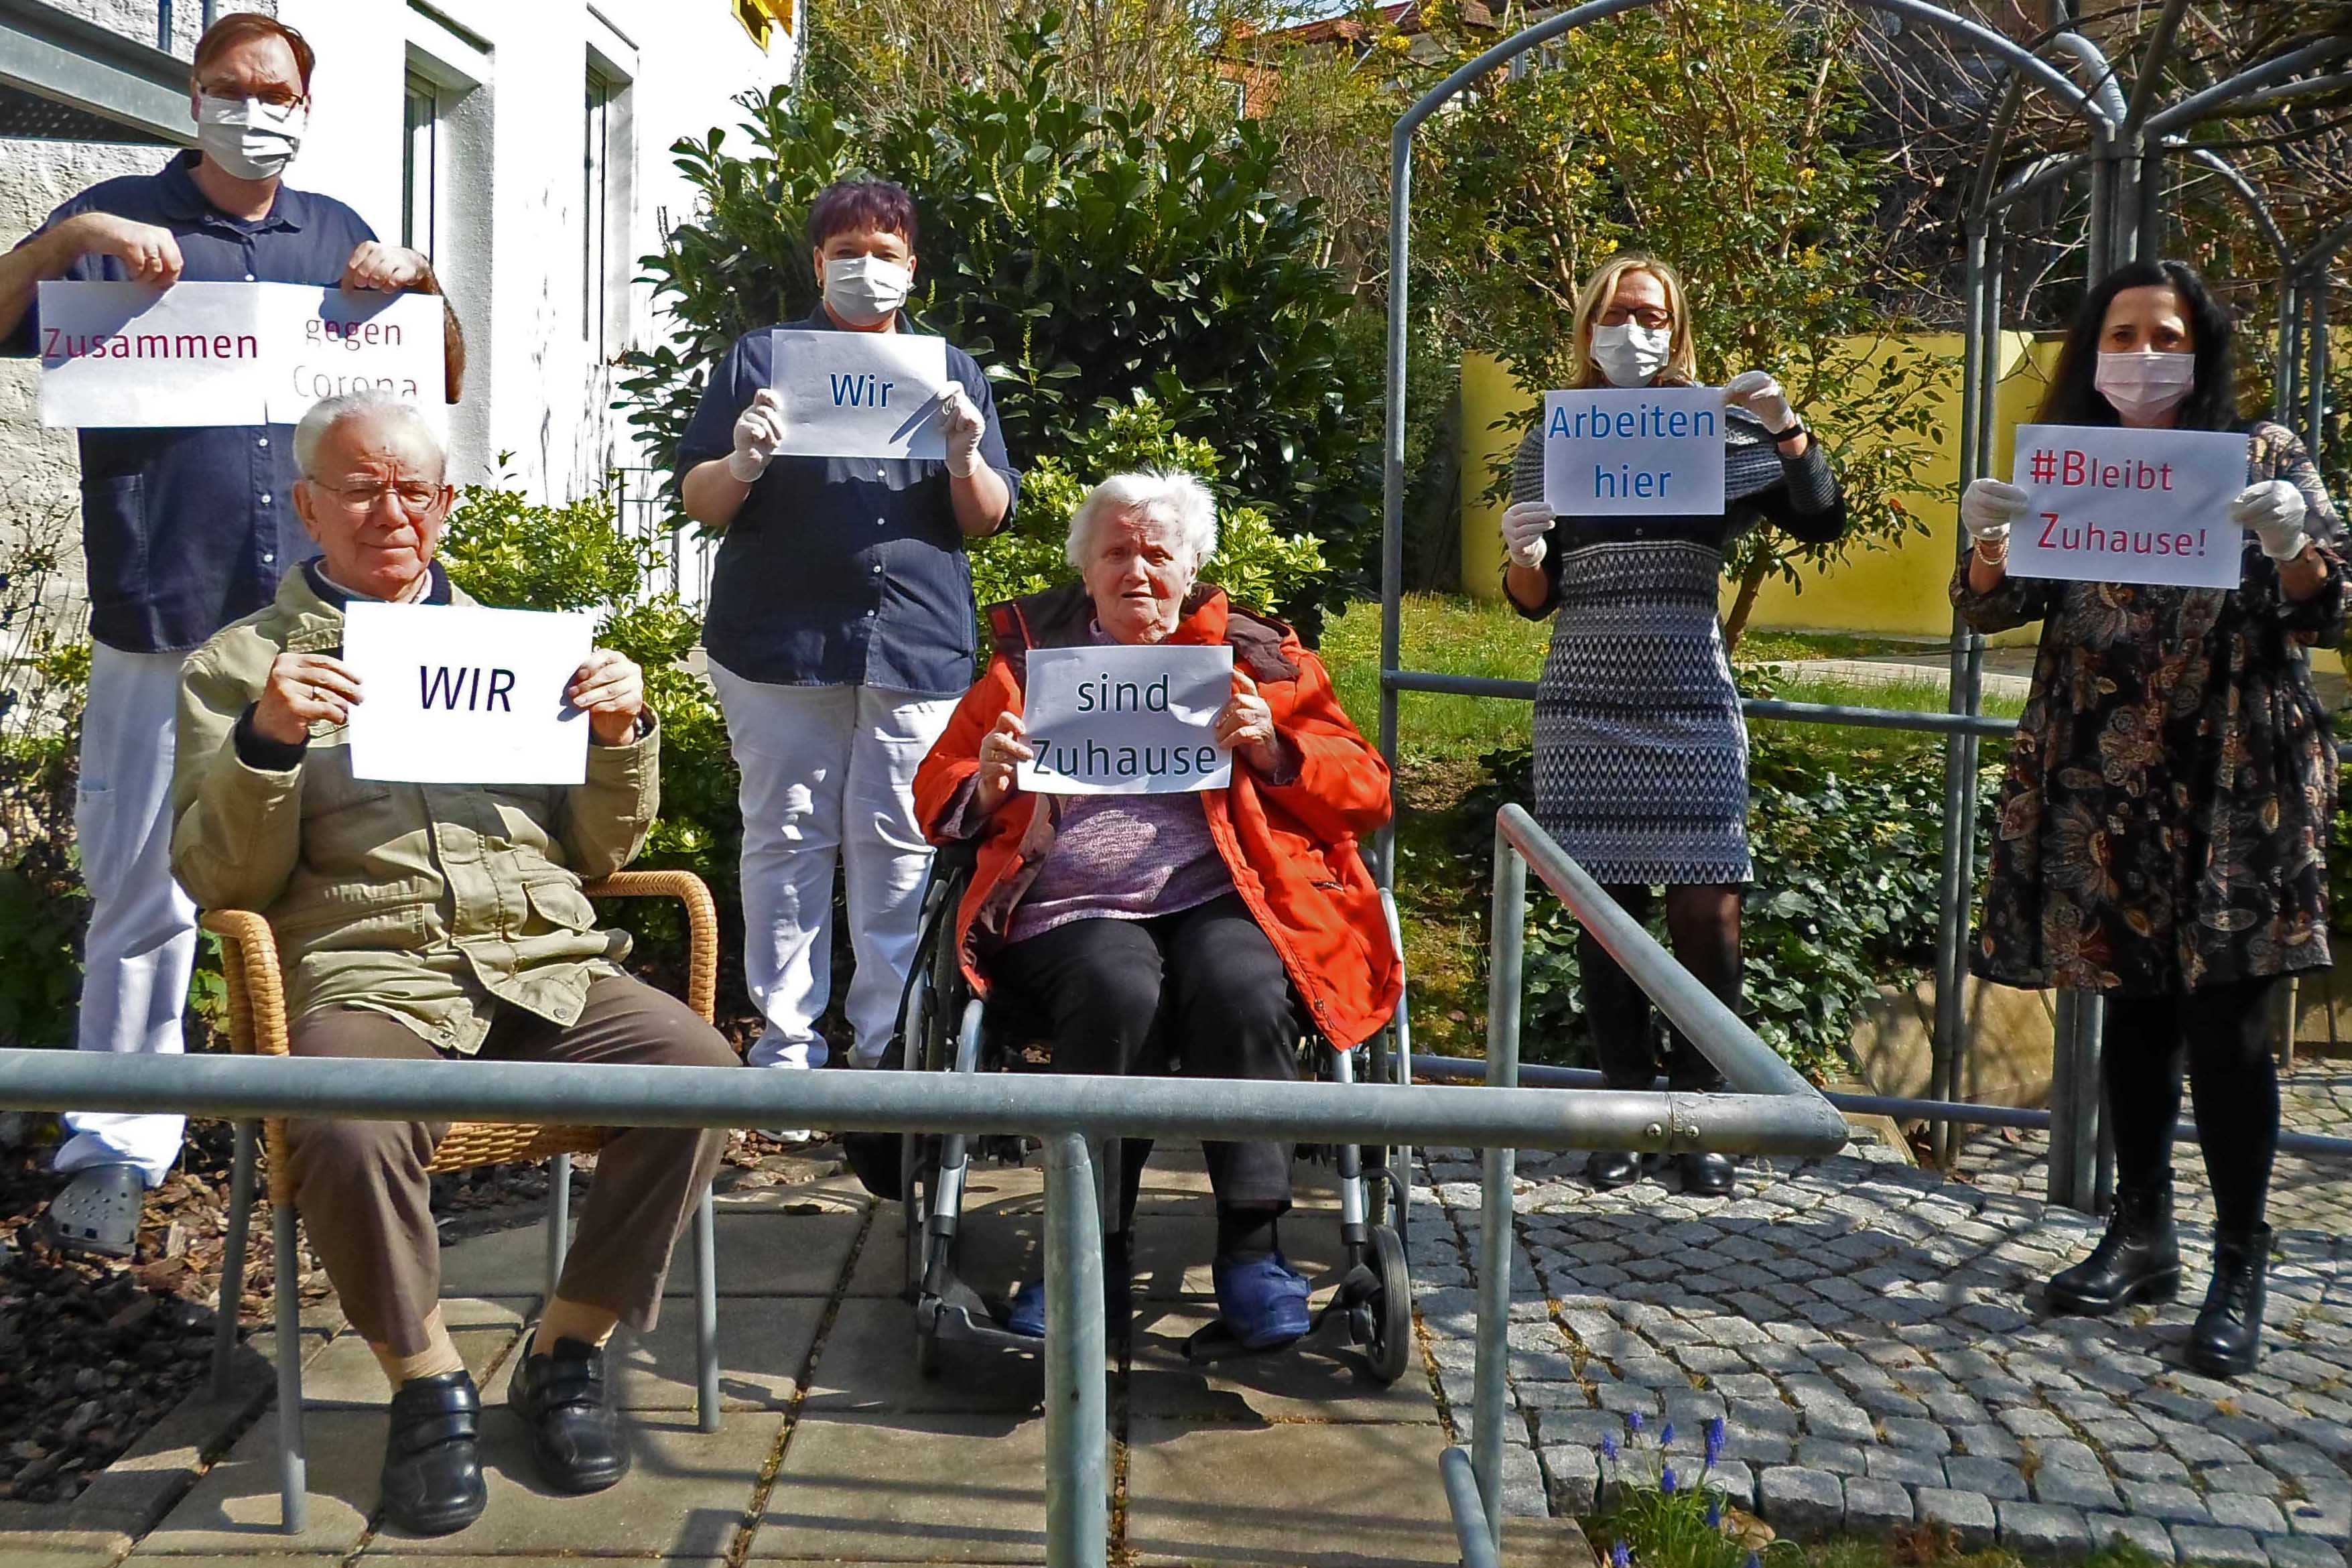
(596, 215)
(420, 164)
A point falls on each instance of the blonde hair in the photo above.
(1600, 289)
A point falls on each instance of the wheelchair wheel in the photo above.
(1390, 1349)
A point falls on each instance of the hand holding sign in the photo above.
(611, 689)
(1245, 728)
(1002, 753)
(304, 688)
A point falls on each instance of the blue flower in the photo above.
(1634, 1421)
(1667, 1435)
(1621, 1556)
(1715, 1437)
(1666, 1480)
(1754, 1561)
(1715, 1512)
(1608, 1447)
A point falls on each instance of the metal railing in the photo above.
(1770, 1110)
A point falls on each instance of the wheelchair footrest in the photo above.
(961, 1317)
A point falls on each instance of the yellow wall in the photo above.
(1899, 592)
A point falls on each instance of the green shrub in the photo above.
(44, 675)
(1847, 847)
(1257, 566)
(1084, 254)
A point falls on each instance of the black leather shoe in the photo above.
(1608, 1168)
(575, 1437)
(432, 1465)
(1708, 1175)
(2138, 1260)
(2228, 1338)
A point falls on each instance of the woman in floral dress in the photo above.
(2168, 801)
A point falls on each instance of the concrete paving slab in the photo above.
(964, 1488)
(685, 1498)
(996, 1250)
(345, 1374)
(234, 1508)
(867, 1364)
(774, 1254)
(1306, 1496)
(15, 1556)
(1324, 1380)
(750, 1194)
(764, 1348)
(504, 1263)
(548, 1560)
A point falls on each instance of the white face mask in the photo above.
(865, 290)
(250, 140)
(2145, 385)
(1632, 354)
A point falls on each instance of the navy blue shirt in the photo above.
(840, 570)
(185, 531)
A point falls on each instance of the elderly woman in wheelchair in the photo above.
(1213, 928)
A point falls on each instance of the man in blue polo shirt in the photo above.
(840, 633)
(184, 531)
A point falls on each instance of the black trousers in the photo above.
(2219, 1038)
(1203, 986)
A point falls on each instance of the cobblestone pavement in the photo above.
(1873, 1336)
(2305, 1194)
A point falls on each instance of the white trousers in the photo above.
(828, 775)
(141, 944)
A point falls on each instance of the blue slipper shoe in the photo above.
(1027, 1315)
(1262, 1300)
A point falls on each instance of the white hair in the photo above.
(369, 403)
(1169, 496)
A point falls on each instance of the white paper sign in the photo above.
(861, 395)
(461, 694)
(1636, 452)
(1126, 720)
(2110, 505)
(123, 355)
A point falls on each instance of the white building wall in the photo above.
(510, 198)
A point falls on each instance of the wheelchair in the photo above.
(944, 1027)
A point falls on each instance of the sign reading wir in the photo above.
(461, 694)
(2110, 505)
(123, 355)
(1126, 720)
(1637, 452)
(860, 394)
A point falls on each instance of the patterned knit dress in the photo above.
(1640, 756)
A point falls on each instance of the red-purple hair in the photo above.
(854, 205)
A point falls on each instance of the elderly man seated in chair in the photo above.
(425, 922)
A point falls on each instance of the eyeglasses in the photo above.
(412, 497)
(275, 96)
(1656, 317)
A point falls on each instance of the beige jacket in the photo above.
(424, 901)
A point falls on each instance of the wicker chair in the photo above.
(258, 1027)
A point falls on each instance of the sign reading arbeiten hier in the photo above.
(2110, 505)
(1644, 452)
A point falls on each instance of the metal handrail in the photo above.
(1069, 1112)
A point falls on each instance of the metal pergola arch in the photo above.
(2129, 138)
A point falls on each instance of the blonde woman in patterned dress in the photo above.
(2168, 801)
(1641, 764)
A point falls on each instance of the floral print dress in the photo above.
(2163, 824)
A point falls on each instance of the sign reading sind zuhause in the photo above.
(1126, 720)
(461, 694)
(860, 394)
(2110, 505)
(1637, 452)
(123, 354)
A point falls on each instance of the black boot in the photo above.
(1608, 1168)
(575, 1437)
(432, 1467)
(1708, 1175)
(2228, 1338)
(2138, 1260)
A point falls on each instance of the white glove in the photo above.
(757, 433)
(1987, 508)
(959, 419)
(1524, 526)
(1756, 392)
(2273, 510)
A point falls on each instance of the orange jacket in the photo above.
(1291, 847)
